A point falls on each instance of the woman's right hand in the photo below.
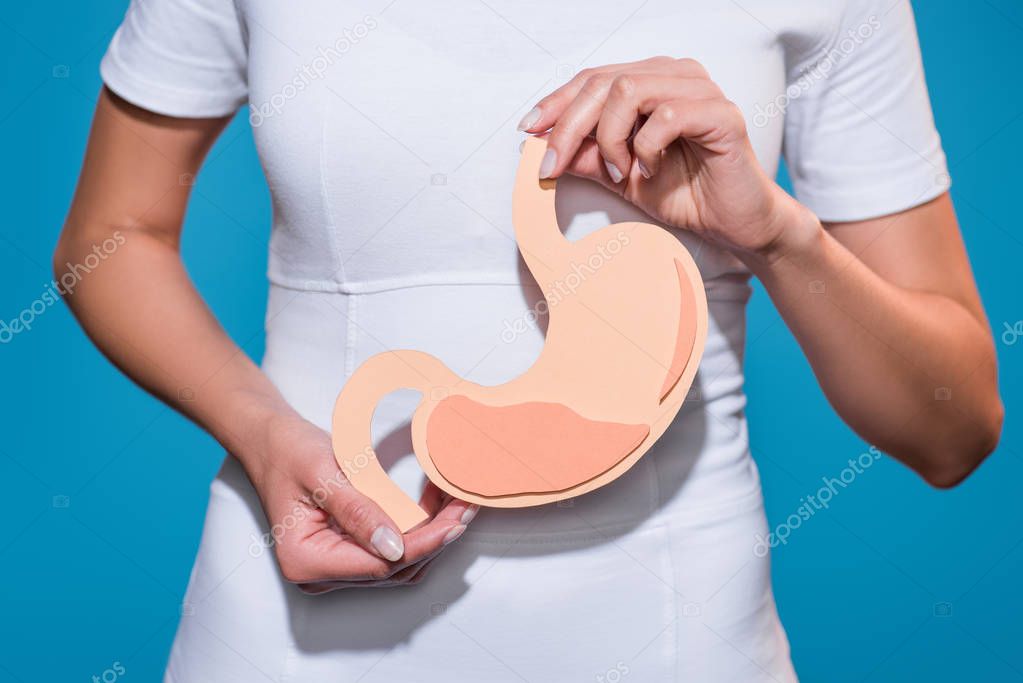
(327, 535)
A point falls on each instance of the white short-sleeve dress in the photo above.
(386, 129)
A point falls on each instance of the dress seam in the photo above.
(716, 290)
(335, 242)
(291, 653)
(675, 631)
(352, 310)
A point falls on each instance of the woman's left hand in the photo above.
(661, 134)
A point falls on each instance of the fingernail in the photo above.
(643, 169)
(453, 535)
(387, 543)
(530, 119)
(612, 170)
(550, 158)
(470, 513)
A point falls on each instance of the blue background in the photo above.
(894, 582)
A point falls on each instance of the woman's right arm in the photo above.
(140, 308)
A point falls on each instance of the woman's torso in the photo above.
(387, 133)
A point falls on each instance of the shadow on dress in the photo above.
(397, 613)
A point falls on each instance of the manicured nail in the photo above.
(453, 535)
(387, 543)
(530, 119)
(643, 169)
(550, 159)
(612, 170)
(470, 513)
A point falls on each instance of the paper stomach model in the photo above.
(620, 354)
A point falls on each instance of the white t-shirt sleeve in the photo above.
(183, 58)
(860, 140)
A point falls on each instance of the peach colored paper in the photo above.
(526, 447)
(621, 352)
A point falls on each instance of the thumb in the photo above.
(360, 517)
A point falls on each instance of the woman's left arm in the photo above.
(886, 310)
(889, 317)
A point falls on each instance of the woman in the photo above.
(386, 132)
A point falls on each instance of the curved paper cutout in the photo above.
(626, 331)
(686, 333)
